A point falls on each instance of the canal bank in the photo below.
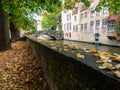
(64, 71)
(100, 47)
(117, 44)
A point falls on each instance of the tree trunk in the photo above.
(15, 33)
(4, 32)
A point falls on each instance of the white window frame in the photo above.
(97, 13)
(105, 10)
(81, 15)
(85, 27)
(104, 23)
(73, 28)
(75, 18)
(76, 28)
(70, 26)
(81, 27)
(64, 26)
(111, 26)
(85, 15)
(97, 24)
(91, 25)
(92, 12)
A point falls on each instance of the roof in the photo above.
(83, 7)
(113, 17)
(75, 11)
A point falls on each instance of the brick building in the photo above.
(82, 23)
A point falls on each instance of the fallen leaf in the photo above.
(117, 74)
(78, 55)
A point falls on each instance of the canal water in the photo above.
(108, 49)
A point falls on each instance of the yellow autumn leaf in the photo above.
(65, 49)
(117, 73)
(96, 54)
(54, 48)
(16, 68)
(64, 44)
(1, 84)
(74, 47)
(92, 50)
(108, 66)
(78, 55)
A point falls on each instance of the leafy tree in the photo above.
(117, 27)
(51, 20)
(21, 9)
(4, 37)
(113, 5)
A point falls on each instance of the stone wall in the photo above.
(65, 72)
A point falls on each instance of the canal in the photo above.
(108, 49)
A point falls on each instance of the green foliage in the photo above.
(20, 11)
(113, 5)
(69, 4)
(117, 27)
(51, 20)
(117, 31)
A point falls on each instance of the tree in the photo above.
(14, 9)
(117, 26)
(4, 37)
(50, 21)
(113, 5)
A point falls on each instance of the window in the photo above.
(91, 25)
(85, 15)
(70, 26)
(85, 27)
(69, 34)
(105, 10)
(97, 24)
(97, 13)
(73, 28)
(92, 12)
(111, 25)
(76, 28)
(69, 16)
(64, 27)
(67, 26)
(81, 16)
(81, 27)
(75, 18)
(104, 23)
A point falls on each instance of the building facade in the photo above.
(83, 23)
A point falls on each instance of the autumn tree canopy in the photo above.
(113, 5)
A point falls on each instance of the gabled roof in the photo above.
(83, 7)
(113, 17)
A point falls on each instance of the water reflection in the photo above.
(108, 49)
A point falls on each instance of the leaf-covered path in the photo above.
(19, 69)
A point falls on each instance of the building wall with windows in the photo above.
(85, 22)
